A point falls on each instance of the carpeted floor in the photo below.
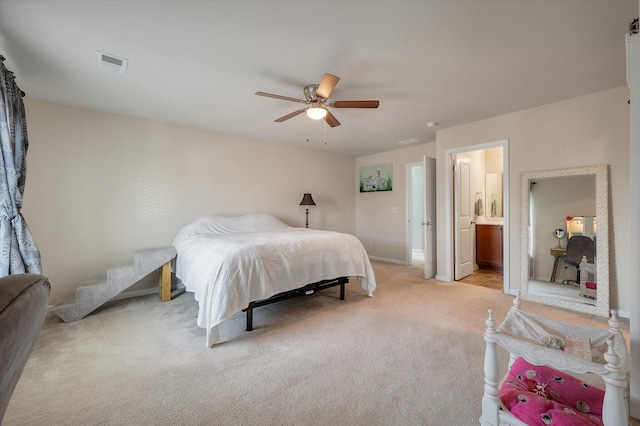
(412, 355)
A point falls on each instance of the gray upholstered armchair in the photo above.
(23, 307)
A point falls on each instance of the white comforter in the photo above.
(228, 262)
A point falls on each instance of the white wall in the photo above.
(101, 186)
(587, 130)
(382, 232)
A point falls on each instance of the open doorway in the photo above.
(415, 213)
(421, 213)
(485, 205)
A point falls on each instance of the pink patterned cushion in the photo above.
(540, 395)
(591, 285)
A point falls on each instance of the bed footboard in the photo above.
(303, 291)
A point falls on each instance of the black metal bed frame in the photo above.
(302, 291)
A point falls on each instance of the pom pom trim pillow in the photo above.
(541, 395)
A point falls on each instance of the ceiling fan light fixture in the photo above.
(316, 101)
(316, 112)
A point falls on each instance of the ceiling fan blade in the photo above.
(288, 116)
(327, 85)
(355, 104)
(284, 98)
(331, 120)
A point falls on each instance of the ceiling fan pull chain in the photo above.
(325, 131)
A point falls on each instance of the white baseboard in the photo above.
(384, 259)
(441, 278)
(624, 314)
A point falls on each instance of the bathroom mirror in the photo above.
(493, 191)
(549, 200)
(582, 225)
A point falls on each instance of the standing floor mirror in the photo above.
(564, 217)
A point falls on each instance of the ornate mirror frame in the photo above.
(601, 307)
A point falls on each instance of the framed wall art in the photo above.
(376, 178)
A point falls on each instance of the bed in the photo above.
(555, 374)
(231, 262)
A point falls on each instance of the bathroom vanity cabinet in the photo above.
(489, 246)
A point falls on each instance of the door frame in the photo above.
(448, 208)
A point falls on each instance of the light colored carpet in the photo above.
(412, 355)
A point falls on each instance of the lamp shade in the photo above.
(307, 200)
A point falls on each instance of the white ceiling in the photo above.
(199, 63)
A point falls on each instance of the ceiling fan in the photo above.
(317, 100)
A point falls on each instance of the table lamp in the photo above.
(307, 200)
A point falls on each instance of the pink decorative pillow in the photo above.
(541, 395)
(591, 285)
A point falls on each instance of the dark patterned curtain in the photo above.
(18, 251)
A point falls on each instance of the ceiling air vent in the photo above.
(111, 63)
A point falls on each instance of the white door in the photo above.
(463, 219)
(429, 221)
